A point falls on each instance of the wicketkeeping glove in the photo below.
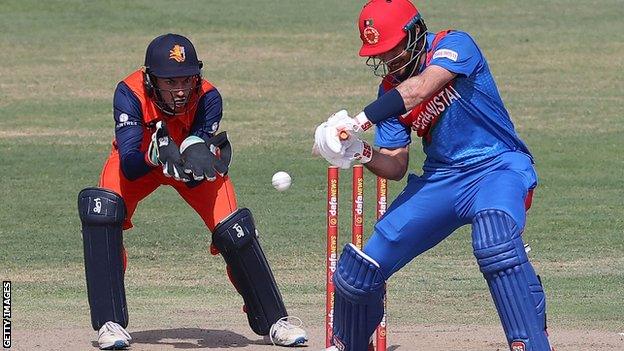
(164, 151)
(206, 159)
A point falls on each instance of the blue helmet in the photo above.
(171, 56)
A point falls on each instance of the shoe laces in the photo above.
(284, 323)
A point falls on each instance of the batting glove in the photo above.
(351, 149)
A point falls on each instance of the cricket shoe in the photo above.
(284, 333)
(113, 336)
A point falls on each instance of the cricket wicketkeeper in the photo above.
(166, 120)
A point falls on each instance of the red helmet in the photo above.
(384, 23)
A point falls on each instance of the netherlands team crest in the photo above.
(177, 53)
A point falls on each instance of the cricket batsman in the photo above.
(477, 172)
(166, 122)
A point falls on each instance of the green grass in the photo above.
(282, 68)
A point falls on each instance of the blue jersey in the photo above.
(464, 123)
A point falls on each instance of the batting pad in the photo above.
(358, 306)
(514, 286)
(102, 213)
(236, 240)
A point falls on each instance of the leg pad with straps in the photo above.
(358, 306)
(236, 239)
(102, 213)
(514, 286)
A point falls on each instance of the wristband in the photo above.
(386, 106)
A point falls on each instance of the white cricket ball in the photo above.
(281, 181)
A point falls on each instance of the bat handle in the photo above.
(343, 135)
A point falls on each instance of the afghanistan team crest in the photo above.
(370, 34)
(177, 53)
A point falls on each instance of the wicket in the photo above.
(357, 233)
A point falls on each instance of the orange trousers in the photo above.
(213, 201)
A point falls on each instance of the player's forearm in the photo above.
(413, 93)
(134, 166)
(405, 96)
(389, 164)
(421, 87)
(132, 159)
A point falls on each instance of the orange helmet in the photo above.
(383, 25)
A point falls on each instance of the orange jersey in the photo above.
(127, 173)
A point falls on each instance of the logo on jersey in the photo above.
(124, 121)
(425, 115)
(177, 53)
(370, 34)
(445, 53)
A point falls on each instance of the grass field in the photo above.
(282, 68)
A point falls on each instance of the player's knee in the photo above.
(358, 276)
(496, 241)
(98, 206)
(234, 232)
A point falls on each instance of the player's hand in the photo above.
(199, 160)
(352, 148)
(326, 142)
(357, 149)
(328, 135)
(344, 123)
(164, 151)
(206, 159)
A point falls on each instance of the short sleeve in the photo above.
(457, 52)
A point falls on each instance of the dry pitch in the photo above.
(414, 338)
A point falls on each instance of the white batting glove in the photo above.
(358, 150)
(330, 135)
(342, 122)
(352, 149)
(342, 162)
(355, 149)
(327, 142)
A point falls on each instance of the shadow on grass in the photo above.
(191, 338)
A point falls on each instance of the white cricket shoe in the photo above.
(284, 333)
(113, 336)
